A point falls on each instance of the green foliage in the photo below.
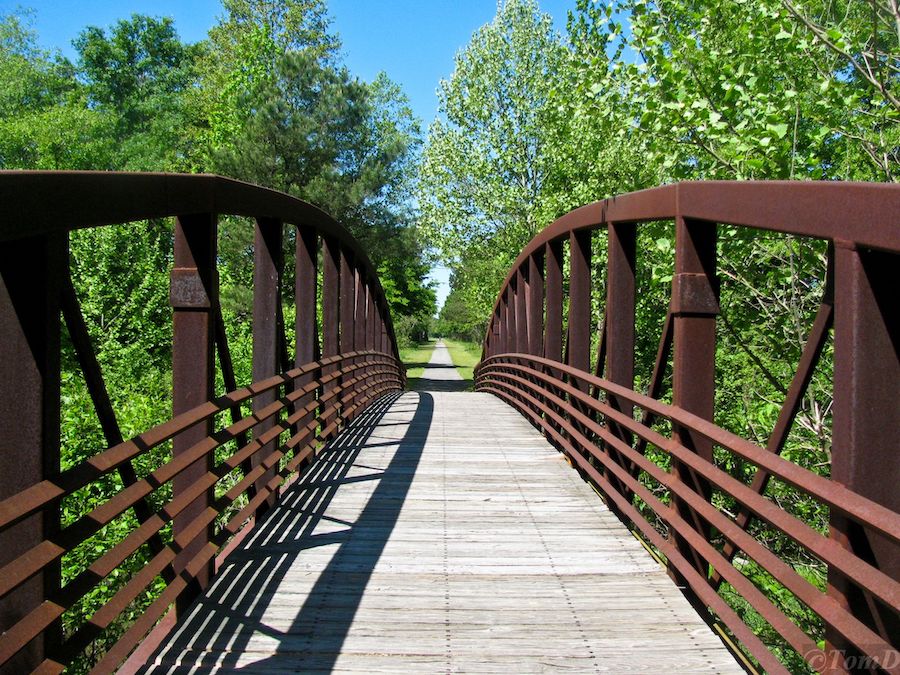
(309, 121)
(512, 150)
(787, 602)
(142, 76)
(121, 275)
(751, 89)
(484, 170)
(244, 48)
(485, 167)
(457, 320)
(411, 330)
(44, 120)
(283, 113)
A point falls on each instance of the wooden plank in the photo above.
(445, 535)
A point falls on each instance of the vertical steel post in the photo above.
(31, 274)
(494, 341)
(267, 269)
(359, 312)
(620, 307)
(553, 280)
(512, 339)
(306, 334)
(331, 284)
(346, 311)
(306, 264)
(619, 321)
(359, 325)
(384, 339)
(371, 317)
(695, 304)
(348, 301)
(503, 346)
(379, 328)
(521, 311)
(536, 303)
(193, 294)
(579, 340)
(866, 417)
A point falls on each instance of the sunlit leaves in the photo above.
(513, 148)
(742, 89)
(141, 76)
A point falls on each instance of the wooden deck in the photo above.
(441, 533)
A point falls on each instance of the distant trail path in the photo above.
(440, 374)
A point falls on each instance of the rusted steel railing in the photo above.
(605, 426)
(295, 407)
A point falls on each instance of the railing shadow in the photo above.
(231, 613)
(426, 384)
(426, 364)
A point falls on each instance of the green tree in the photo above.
(345, 146)
(292, 118)
(308, 121)
(746, 89)
(457, 320)
(485, 167)
(142, 75)
(45, 122)
(245, 48)
(511, 150)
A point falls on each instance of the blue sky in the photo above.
(413, 41)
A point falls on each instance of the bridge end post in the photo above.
(31, 273)
(866, 417)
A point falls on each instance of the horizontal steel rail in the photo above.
(536, 356)
(342, 365)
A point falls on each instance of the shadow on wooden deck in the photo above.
(246, 585)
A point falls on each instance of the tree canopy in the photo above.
(532, 123)
(264, 98)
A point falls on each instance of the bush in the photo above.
(411, 330)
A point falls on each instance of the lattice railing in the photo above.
(226, 457)
(698, 493)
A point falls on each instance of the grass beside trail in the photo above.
(415, 359)
(465, 356)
